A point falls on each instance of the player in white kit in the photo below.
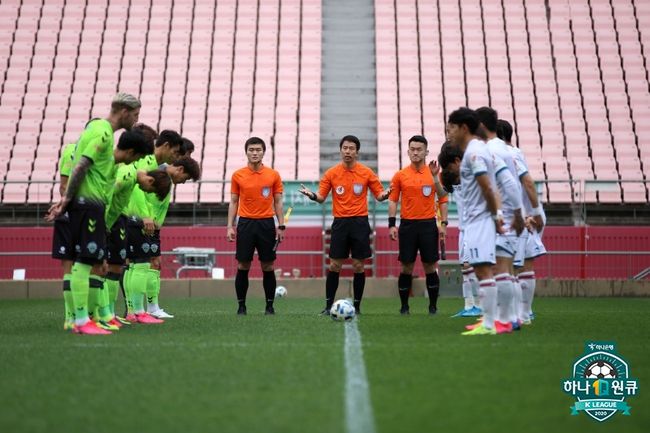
(531, 245)
(481, 216)
(451, 182)
(506, 244)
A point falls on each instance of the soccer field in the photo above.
(210, 370)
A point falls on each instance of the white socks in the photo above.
(468, 294)
(516, 301)
(488, 294)
(505, 295)
(527, 282)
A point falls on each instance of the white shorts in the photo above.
(520, 253)
(463, 254)
(480, 241)
(534, 246)
(506, 245)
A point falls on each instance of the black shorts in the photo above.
(419, 235)
(88, 231)
(62, 246)
(117, 243)
(255, 234)
(350, 235)
(139, 247)
(154, 244)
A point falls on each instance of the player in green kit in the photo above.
(180, 171)
(62, 248)
(145, 247)
(87, 195)
(128, 176)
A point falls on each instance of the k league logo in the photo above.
(600, 382)
(357, 188)
(426, 190)
(266, 191)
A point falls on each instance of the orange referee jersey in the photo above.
(350, 189)
(418, 193)
(256, 190)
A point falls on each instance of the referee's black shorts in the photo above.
(419, 235)
(350, 236)
(117, 244)
(255, 234)
(62, 245)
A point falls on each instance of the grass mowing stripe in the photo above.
(358, 411)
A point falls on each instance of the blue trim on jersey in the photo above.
(500, 170)
(480, 173)
(523, 174)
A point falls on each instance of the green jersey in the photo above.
(159, 207)
(65, 163)
(96, 143)
(138, 207)
(147, 163)
(125, 181)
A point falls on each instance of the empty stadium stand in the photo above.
(216, 74)
(571, 76)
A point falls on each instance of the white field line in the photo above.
(358, 410)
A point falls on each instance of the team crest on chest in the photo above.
(357, 188)
(426, 190)
(266, 191)
(340, 189)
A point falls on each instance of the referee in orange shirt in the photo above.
(256, 196)
(349, 181)
(418, 230)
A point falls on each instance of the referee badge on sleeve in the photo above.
(266, 191)
(426, 190)
(357, 188)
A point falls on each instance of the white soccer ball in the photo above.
(342, 310)
(280, 292)
(600, 370)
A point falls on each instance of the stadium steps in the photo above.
(348, 102)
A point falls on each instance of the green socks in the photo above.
(153, 287)
(79, 287)
(112, 286)
(137, 285)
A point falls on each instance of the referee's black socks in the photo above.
(433, 287)
(331, 285)
(241, 285)
(269, 283)
(358, 284)
(404, 283)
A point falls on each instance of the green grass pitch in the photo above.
(210, 370)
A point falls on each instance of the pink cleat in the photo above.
(147, 319)
(131, 318)
(503, 328)
(115, 322)
(90, 328)
(478, 323)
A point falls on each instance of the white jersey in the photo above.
(504, 159)
(522, 168)
(477, 161)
